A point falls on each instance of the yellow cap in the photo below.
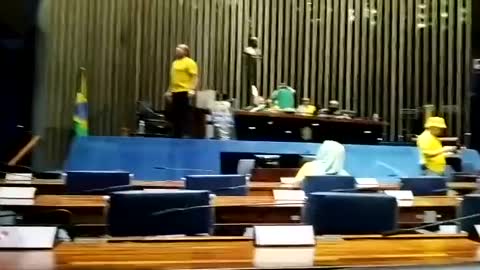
(438, 122)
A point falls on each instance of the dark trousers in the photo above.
(180, 114)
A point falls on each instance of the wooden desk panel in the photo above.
(241, 254)
(272, 174)
(232, 214)
(57, 187)
(256, 188)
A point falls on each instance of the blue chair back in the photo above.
(221, 185)
(327, 183)
(351, 213)
(96, 182)
(470, 206)
(139, 213)
(425, 185)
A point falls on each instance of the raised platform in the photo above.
(141, 155)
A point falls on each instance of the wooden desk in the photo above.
(57, 187)
(240, 253)
(45, 186)
(232, 214)
(272, 174)
(277, 126)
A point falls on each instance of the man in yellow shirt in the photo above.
(432, 153)
(183, 83)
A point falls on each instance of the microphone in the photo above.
(396, 172)
(228, 188)
(395, 232)
(111, 189)
(344, 190)
(183, 169)
(172, 210)
(440, 190)
(8, 215)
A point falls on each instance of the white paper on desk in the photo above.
(17, 192)
(18, 177)
(400, 195)
(448, 229)
(284, 257)
(288, 195)
(287, 180)
(27, 237)
(295, 235)
(366, 182)
(404, 203)
(15, 202)
(477, 228)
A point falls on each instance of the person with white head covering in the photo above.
(330, 160)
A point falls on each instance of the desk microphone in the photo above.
(440, 190)
(228, 188)
(455, 220)
(344, 190)
(396, 172)
(111, 189)
(183, 169)
(172, 210)
(8, 215)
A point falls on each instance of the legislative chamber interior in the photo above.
(252, 134)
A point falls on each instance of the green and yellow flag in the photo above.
(80, 119)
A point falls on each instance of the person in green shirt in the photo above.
(284, 97)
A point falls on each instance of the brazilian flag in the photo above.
(80, 119)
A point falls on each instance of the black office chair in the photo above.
(221, 185)
(351, 213)
(98, 182)
(470, 206)
(137, 213)
(156, 123)
(425, 185)
(326, 183)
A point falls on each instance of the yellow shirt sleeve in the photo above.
(192, 68)
(306, 170)
(429, 147)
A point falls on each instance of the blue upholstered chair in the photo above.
(425, 185)
(350, 213)
(140, 213)
(221, 185)
(470, 206)
(97, 182)
(326, 183)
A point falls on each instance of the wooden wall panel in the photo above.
(374, 56)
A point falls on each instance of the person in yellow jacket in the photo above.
(183, 83)
(432, 153)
